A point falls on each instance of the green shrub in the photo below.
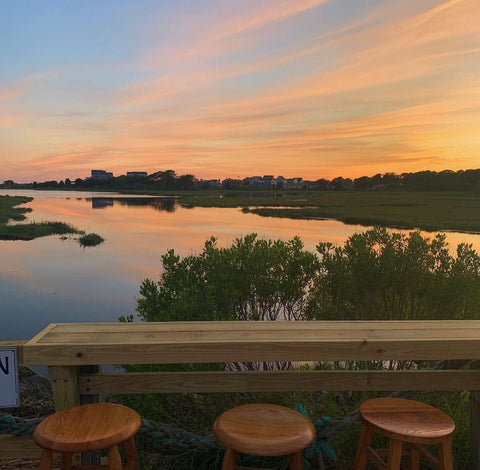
(376, 275)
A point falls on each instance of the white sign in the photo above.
(9, 395)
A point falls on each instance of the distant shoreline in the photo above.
(423, 210)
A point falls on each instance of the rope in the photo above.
(320, 446)
(172, 441)
(17, 426)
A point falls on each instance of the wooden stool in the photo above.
(406, 421)
(88, 428)
(263, 430)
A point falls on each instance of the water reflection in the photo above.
(167, 204)
(49, 280)
(101, 202)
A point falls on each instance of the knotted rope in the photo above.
(174, 441)
(171, 441)
(17, 426)
(320, 446)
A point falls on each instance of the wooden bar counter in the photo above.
(196, 342)
(69, 347)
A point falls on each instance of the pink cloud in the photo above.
(402, 88)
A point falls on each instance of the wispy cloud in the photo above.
(231, 19)
(259, 85)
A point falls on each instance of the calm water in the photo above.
(51, 280)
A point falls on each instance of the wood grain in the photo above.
(15, 344)
(407, 420)
(18, 447)
(197, 342)
(87, 428)
(64, 380)
(404, 421)
(192, 382)
(264, 429)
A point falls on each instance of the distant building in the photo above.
(137, 173)
(268, 181)
(201, 183)
(281, 182)
(256, 181)
(294, 183)
(100, 175)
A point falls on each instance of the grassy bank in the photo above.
(9, 210)
(425, 210)
(35, 230)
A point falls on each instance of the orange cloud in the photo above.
(395, 87)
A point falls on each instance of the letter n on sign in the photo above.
(9, 396)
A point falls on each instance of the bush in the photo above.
(254, 279)
(382, 275)
(376, 275)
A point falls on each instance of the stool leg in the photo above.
(67, 461)
(394, 458)
(414, 457)
(361, 456)
(131, 453)
(445, 455)
(114, 459)
(296, 461)
(229, 460)
(46, 460)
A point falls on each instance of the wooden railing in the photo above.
(69, 350)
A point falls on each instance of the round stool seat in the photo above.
(409, 425)
(87, 428)
(407, 420)
(264, 430)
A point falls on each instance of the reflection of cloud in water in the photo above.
(53, 281)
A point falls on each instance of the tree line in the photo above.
(446, 180)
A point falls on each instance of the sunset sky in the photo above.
(231, 88)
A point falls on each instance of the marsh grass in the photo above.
(90, 239)
(427, 210)
(9, 209)
(35, 230)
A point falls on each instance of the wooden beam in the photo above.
(15, 344)
(12, 447)
(198, 382)
(203, 342)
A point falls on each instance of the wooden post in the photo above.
(90, 458)
(64, 380)
(475, 428)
